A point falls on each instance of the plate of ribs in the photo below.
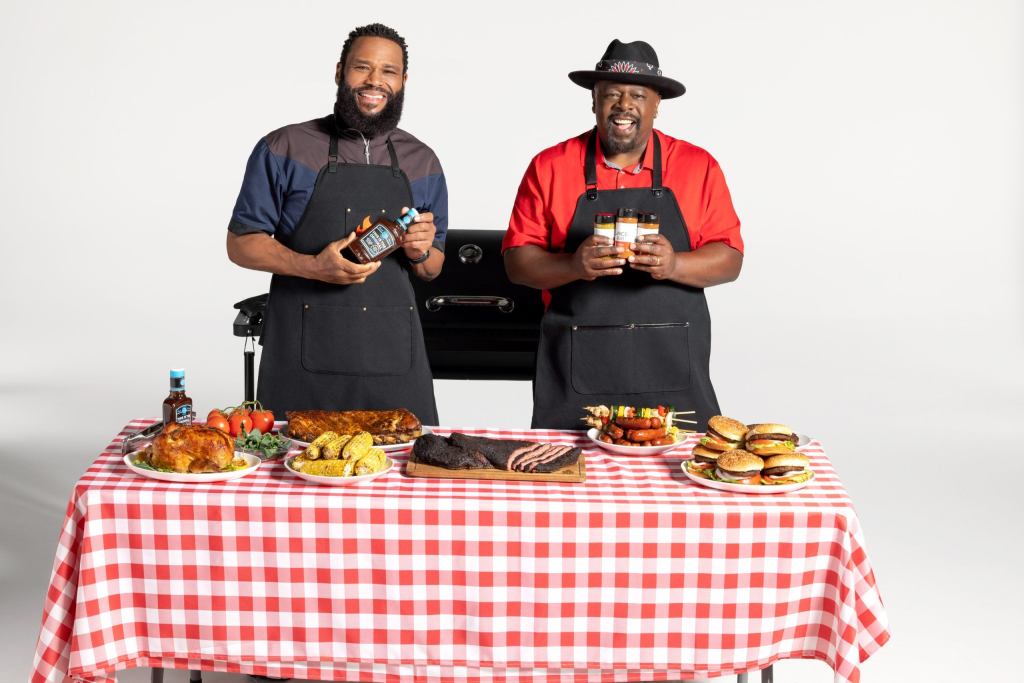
(461, 456)
(392, 430)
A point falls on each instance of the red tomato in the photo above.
(216, 412)
(240, 422)
(262, 420)
(662, 410)
(218, 421)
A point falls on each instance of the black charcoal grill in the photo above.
(476, 324)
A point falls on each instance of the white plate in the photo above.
(802, 440)
(389, 448)
(760, 489)
(189, 478)
(339, 481)
(592, 434)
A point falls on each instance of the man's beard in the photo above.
(348, 115)
(615, 145)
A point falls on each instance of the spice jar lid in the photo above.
(604, 217)
(627, 213)
(647, 217)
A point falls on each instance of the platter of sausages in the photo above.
(628, 430)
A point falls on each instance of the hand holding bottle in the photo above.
(419, 236)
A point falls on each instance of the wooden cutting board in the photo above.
(577, 472)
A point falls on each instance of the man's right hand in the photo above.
(591, 258)
(330, 266)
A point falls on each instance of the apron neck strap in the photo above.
(395, 170)
(590, 166)
(332, 157)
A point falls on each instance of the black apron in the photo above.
(624, 339)
(346, 347)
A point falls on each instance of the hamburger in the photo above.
(789, 468)
(739, 467)
(724, 434)
(770, 439)
(704, 461)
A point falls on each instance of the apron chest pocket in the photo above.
(630, 359)
(357, 340)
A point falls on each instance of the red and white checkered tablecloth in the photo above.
(636, 574)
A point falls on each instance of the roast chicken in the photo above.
(192, 448)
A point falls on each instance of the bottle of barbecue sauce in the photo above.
(177, 406)
(381, 238)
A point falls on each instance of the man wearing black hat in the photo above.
(625, 324)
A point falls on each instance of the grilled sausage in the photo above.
(606, 438)
(613, 430)
(644, 434)
(633, 422)
(663, 441)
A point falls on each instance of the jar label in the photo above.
(625, 232)
(646, 230)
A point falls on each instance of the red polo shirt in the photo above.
(554, 181)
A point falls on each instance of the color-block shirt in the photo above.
(543, 209)
(281, 174)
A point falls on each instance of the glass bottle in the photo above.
(177, 406)
(381, 238)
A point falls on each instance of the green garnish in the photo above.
(269, 445)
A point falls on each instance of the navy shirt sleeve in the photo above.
(430, 193)
(260, 201)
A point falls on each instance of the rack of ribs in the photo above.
(386, 426)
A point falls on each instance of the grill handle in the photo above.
(503, 304)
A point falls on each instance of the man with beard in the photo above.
(339, 334)
(623, 328)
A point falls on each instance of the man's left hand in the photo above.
(654, 254)
(420, 235)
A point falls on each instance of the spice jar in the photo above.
(647, 224)
(625, 231)
(604, 226)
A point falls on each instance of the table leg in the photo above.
(195, 677)
(741, 678)
(156, 676)
(767, 675)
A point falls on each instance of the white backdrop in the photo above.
(874, 151)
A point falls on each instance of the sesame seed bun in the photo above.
(739, 461)
(786, 460)
(765, 428)
(731, 429)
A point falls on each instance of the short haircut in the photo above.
(375, 31)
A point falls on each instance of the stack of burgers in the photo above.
(756, 454)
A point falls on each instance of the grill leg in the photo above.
(156, 676)
(195, 677)
(766, 675)
(741, 678)
(250, 362)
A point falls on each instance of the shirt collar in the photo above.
(645, 162)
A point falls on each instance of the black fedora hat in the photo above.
(635, 62)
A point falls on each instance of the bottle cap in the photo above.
(178, 373)
(406, 220)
